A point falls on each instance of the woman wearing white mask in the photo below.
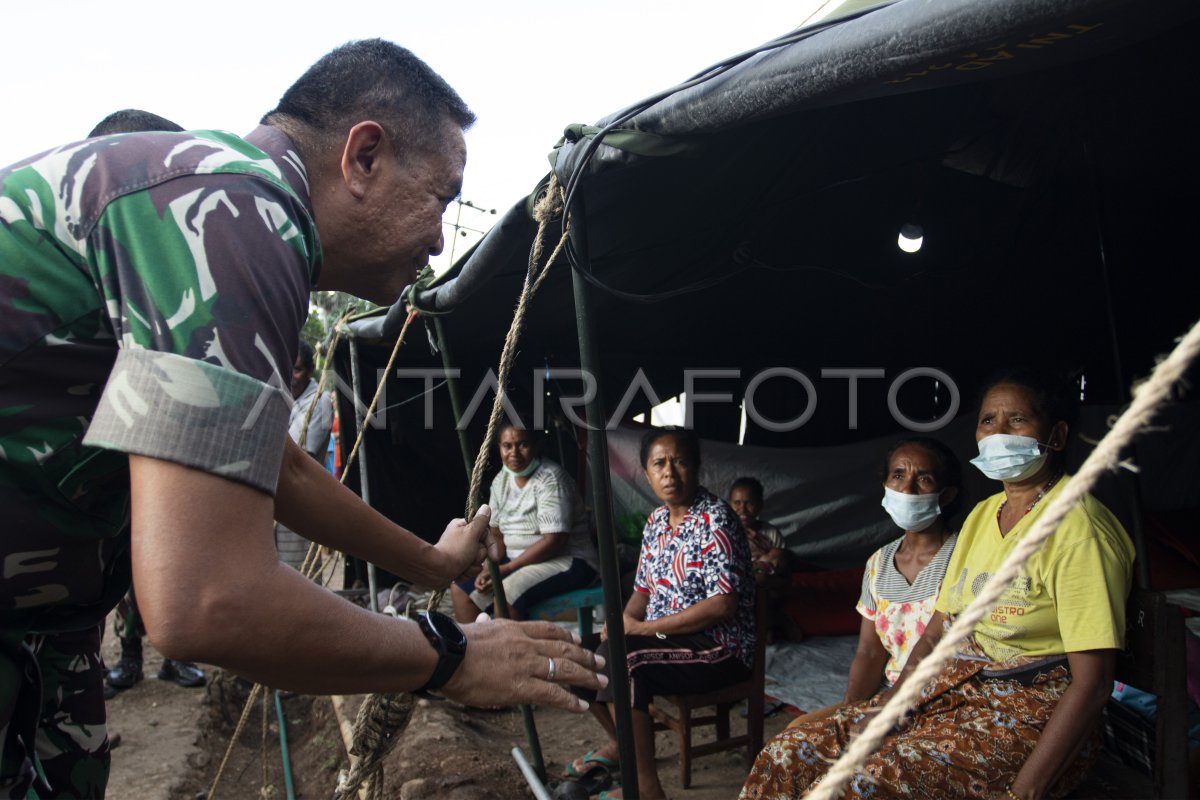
(922, 481)
(1017, 714)
(538, 519)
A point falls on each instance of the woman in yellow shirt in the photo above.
(1017, 715)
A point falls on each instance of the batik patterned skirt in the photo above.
(967, 739)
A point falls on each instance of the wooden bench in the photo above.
(1153, 661)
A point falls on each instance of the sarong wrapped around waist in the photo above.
(977, 723)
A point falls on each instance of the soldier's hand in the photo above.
(464, 546)
(523, 652)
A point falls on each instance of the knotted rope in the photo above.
(544, 211)
(1149, 398)
(380, 720)
(383, 716)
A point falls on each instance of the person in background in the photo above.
(771, 562)
(922, 487)
(538, 521)
(314, 440)
(767, 550)
(689, 625)
(333, 455)
(1018, 714)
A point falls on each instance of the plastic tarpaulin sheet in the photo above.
(826, 500)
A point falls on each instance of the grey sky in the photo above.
(527, 68)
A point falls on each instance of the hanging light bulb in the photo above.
(911, 237)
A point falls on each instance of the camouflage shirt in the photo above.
(152, 289)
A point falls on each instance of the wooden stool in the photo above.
(684, 721)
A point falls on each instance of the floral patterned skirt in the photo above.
(967, 739)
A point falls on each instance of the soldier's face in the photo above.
(406, 216)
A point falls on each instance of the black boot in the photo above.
(129, 669)
(185, 673)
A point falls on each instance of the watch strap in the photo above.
(449, 658)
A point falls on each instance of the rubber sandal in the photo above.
(589, 757)
(596, 779)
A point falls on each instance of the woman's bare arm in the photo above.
(866, 671)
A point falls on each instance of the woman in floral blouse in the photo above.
(689, 626)
(922, 482)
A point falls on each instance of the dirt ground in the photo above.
(173, 740)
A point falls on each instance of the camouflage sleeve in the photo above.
(206, 281)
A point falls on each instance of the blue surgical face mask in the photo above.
(911, 512)
(1007, 457)
(525, 473)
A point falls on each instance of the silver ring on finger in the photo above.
(553, 670)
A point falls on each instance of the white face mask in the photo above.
(911, 512)
(1007, 457)
(529, 470)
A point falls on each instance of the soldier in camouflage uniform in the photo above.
(127, 623)
(152, 290)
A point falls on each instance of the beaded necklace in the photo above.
(1049, 485)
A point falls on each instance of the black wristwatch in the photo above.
(448, 640)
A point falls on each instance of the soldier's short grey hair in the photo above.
(370, 79)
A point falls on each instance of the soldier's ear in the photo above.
(365, 144)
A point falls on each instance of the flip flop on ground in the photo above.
(579, 767)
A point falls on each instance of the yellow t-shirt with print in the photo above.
(1070, 595)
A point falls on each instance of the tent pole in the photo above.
(498, 599)
(455, 398)
(362, 458)
(1132, 481)
(597, 445)
(501, 602)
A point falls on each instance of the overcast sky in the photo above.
(526, 68)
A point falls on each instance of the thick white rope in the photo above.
(1148, 399)
(383, 716)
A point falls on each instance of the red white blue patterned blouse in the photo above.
(705, 556)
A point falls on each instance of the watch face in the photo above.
(448, 630)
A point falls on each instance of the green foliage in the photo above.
(332, 305)
(325, 309)
(314, 329)
(630, 527)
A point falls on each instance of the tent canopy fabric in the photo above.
(771, 239)
(747, 224)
